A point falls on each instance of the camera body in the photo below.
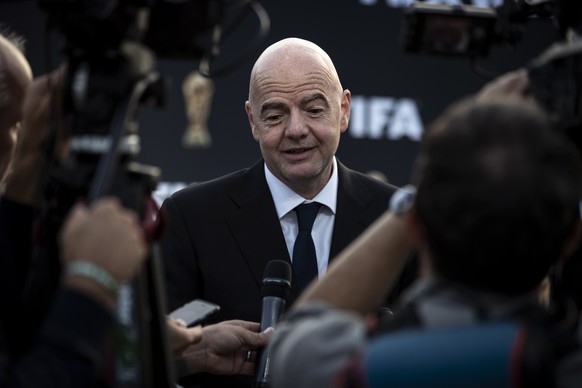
(171, 29)
(449, 30)
(468, 31)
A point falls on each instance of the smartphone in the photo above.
(195, 312)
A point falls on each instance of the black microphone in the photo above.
(275, 291)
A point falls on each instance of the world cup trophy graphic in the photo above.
(198, 91)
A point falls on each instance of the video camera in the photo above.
(469, 31)
(110, 49)
(170, 28)
(110, 45)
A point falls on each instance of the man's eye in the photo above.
(315, 111)
(272, 118)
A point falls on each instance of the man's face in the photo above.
(297, 113)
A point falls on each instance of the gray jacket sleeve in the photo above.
(313, 344)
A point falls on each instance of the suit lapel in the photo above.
(257, 231)
(352, 214)
(256, 228)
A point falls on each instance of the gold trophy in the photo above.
(198, 91)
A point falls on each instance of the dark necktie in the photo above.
(304, 259)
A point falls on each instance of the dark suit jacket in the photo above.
(221, 234)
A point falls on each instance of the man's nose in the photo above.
(296, 124)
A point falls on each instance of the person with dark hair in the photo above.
(527, 181)
(493, 206)
(222, 233)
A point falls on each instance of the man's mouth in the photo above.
(297, 150)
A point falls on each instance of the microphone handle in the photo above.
(273, 308)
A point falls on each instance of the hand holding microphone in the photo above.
(223, 348)
(275, 292)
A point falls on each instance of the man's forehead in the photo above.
(279, 102)
(290, 69)
(290, 61)
(293, 84)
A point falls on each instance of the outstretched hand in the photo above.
(514, 83)
(108, 236)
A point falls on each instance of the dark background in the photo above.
(362, 37)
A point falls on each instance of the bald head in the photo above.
(15, 76)
(292, 56)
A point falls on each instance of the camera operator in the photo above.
(104, 237)
(496, 205)
(26, 110)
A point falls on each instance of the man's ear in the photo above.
(345, 110)
(251, 119)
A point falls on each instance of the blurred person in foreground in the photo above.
(495, 204)
(74, 346)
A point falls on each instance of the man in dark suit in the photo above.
(222, 233)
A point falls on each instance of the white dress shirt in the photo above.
(286, 200)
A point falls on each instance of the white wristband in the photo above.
(95, 273)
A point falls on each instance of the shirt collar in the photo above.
(286, 199)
